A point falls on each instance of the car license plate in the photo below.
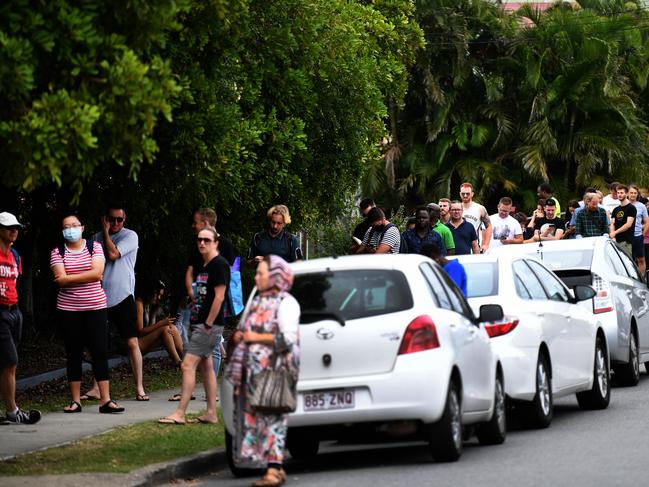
(327, 400)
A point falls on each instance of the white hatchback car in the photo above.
(622, 301)
(388, 346)
(549, 346)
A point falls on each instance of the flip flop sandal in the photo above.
(170, 421)
(142, 397)
(107, 409)
(176, 397)
(202, 421)
(74, 404)
(89, 397)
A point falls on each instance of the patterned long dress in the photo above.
(260, 438)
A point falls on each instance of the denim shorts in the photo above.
(202, 341)
(11, 322)
(638, 246)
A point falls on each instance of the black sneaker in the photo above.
(4, 421)
(25, 417)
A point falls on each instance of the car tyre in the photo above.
(229, 453)
(538, 413)
(599, 396)
(629, 374)
(494, 431)
(302, 446)
(446, 434)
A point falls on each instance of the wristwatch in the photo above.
(207, 325)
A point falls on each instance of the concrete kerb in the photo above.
(189, 466)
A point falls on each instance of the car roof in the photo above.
(347, 262)
(588, 243)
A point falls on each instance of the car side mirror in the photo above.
(491, 313)
(583, 293)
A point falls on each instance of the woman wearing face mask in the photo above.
(81, 306)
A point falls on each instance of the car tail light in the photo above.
(501, 328)
(420, 335)
(603, 301)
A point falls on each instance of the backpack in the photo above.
(89, 246)
(19, 279)
(403, 246)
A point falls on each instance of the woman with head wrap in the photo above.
(268, 331)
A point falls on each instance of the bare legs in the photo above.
(8, 387)
(136, 364)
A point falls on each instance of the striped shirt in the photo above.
(79, 297)
(391, 237)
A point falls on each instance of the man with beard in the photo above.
(622, 225)
(276, 240)
(422, 234)
(476, 215)
(444, 210)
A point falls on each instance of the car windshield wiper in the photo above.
(308, 317)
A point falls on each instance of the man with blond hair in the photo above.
(275, 240)
(476, 215)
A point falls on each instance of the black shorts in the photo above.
(638, 246)
(123, 317)
(11, 324)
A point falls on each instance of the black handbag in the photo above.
(274, 391)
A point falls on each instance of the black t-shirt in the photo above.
(620, 215)
(361, 229)
(556, 221)
(225, 248)
(463, 236)
(206, 278)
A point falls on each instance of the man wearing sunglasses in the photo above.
(120, 246)
(476, 215)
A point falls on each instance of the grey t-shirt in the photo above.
(119, 275)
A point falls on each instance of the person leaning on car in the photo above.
(592, 221)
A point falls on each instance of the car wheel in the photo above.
(494, 431)
(229, 453)
(301, 445)
(538, 413)
(599, 395)
(629, 374)
(446, 434)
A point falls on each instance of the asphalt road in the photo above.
(581, 448)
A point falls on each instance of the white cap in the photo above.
(8, 220)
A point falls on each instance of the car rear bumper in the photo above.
(415, 389)
(519, 367)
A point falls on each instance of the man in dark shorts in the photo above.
(120, 246)
(10, 321)
(623, 220)
(207, 322)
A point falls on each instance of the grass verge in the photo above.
(119, 451)
(159, 374)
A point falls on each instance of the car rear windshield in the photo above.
(352, 294)
(565, 259)
(482, 279)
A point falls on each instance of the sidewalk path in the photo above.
(56, 429)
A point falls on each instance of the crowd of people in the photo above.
(99, 289)
(456, 227)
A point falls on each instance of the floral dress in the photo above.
(260, 438)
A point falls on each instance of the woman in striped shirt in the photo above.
(81, 305)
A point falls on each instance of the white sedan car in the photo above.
(622, 301)
(549, 346)
(389, 346)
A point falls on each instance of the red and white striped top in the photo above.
(80, 297)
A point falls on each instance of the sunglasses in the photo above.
(204, 240)
(115, 219)
(465, 194)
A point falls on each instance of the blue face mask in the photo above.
(72, 234)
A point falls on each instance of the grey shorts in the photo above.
(201, 341)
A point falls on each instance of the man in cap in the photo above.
(10, 321)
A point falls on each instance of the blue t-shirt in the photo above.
(119, 275)
(639, 218)
(415, 242)
(464, 235)
(456, 271)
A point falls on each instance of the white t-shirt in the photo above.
(502, 229)
(609, 203)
